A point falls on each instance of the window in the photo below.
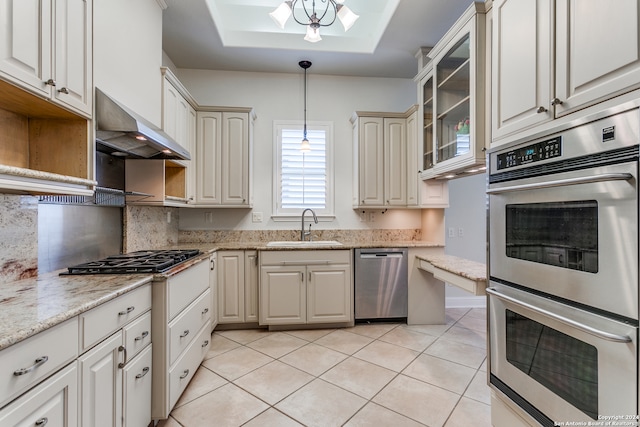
(303, 180)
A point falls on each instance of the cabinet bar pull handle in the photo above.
(184, 374)
(301, 276)
(38, 362)
(541, 110)
(205, 343)
(144, 372)
(64, 90)
(142, 336)
(184, 334)
(122, 349)
(50, 82)
(205, 311)
(42, 421)
(556, 101)
(213, 264)
(127, 311)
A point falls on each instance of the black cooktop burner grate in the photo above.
(135, 262)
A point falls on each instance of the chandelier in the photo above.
(331, 9)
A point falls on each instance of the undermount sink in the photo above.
(300, 243)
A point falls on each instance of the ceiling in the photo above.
(239, 35)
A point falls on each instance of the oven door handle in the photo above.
(588, 329)
(563, 182)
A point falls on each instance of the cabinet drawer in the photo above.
(137, 335)
(52, 403)
(185, 287)
(137, 390)
(103, 320)
(27, 362)
(184, 327)
(187, 365)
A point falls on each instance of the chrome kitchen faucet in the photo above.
(303, 233)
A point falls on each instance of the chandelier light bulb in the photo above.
(282, 14)
(313, 34)
(346, 16)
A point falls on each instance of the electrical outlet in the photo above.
(452, 232)
(257, 217)
(460, 232)
(168, 217)
(208, 217)
(372, 216)
(363, 216)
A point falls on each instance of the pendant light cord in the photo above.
(305, 103)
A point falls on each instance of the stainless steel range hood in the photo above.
(121, 132)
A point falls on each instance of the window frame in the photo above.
(280, 214)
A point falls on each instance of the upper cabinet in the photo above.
(46, 139)
(451, 89)
(552, 58)
(46, 49)
(224, 147)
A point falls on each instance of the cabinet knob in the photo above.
(64, 90)
(556, 101)
(541, 109)
(50, 82)
(42, 421)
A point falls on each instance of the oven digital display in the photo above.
(542, 150)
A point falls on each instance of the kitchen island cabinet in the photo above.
(306, 287)
(543, 51)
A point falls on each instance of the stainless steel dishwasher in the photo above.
(381, 283)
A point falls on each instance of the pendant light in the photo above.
(305, 147)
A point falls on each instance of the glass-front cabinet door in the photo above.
(452, 99)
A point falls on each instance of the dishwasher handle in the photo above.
(374, 255)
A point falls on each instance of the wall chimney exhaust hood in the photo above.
(121, 132)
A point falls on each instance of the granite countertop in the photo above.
(249, 245)
(471, 270)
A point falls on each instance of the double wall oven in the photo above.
(563, 267)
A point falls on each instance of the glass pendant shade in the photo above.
(305, 147)
(281, 14)
(346, 16)
(313, 34)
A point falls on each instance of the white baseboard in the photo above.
(466, 302)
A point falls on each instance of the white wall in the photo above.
(127, 48)
(467, 211)
(281, 97)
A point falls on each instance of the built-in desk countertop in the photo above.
(463, 273)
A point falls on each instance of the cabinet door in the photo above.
(73, 54)
(283, 297)
(137, 390)
(208, 154)
(25, 47)
(101, 384)
(413, 166)
(231, 300)
(52, 403)
(329, 294)
(251, 286)
(235, 159)
(170, 97)
(522, 65)
(192, 177)
(213, 286)
(427, 113)
(597, 51)
(371, 161)
(395, 158)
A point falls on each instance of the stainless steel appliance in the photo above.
(381, 283)
(563, 266)
(153, 261)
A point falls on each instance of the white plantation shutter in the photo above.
(303, 176)
(303, 180)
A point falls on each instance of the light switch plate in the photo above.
(257, 217)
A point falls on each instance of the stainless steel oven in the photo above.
(563, 267)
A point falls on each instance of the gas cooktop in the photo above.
(135, 262)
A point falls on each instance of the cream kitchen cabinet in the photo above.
(306, 287)
(237, 286)
(114, 370)
(552, 58)
(213, 287)
(451, 89)
(181, 317)
(380, 161)
(224, 157)
(46, 48)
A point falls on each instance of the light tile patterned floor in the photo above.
(370, 375)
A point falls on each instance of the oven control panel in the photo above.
(542, 150)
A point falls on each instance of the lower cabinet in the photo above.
(52, 403)
(237, 286)
(306, 287)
